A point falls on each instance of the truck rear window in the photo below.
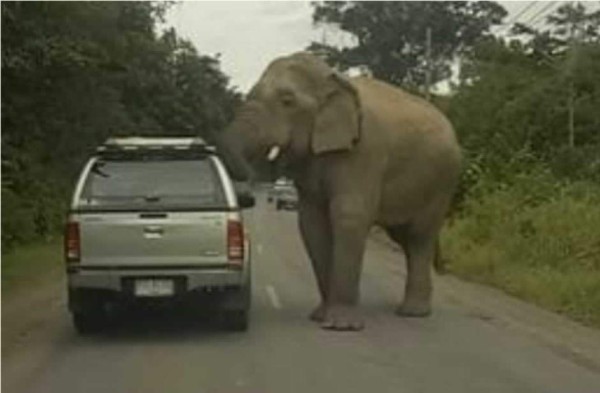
(153, 184)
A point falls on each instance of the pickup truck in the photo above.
(155, 220)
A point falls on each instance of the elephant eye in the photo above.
(287, 100)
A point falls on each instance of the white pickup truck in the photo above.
(156, 220)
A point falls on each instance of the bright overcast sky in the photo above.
(250, 34)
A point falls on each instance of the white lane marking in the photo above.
(273, 297)
(259, 249)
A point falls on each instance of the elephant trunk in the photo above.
(230, 147)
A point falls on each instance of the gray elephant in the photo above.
(361, 153)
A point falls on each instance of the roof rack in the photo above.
(145, 144)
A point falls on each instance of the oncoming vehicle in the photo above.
(156, 220)
(277, 187)
(287, 198)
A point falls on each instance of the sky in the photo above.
(249, 34)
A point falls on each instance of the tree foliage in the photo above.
(512, 108)
(391, 36)
(74, 73)
(526, 111)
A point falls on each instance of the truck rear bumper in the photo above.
(116, 280)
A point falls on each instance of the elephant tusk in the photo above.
(273, 153)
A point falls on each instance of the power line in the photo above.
(542, 11)
(516, 18)
(538, 20)
(523, 11)
(538, 16)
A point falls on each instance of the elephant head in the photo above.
(299, 107)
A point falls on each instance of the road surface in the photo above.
(477, 340)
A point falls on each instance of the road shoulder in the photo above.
(566, 338)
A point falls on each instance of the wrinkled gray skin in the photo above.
(361, 153)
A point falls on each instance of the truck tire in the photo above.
(87, 310)
(235, 314)
(236, 320)
(88, 322)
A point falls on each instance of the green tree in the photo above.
(74, 73)
(391, 36)
(512, 109)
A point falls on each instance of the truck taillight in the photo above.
(235, 242)
(72, 242)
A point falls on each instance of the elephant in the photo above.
(361, 153)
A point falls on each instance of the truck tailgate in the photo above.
(142, 239)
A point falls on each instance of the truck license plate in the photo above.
(154, 288)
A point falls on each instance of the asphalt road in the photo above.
(477, 340)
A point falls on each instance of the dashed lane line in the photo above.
(273, 297)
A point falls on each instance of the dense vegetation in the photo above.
(527, 214)
(527, 114)
(74, 73)
(536, 238)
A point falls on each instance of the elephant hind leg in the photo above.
(420, 249)
(438, 262)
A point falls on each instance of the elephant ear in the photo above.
(338, 122)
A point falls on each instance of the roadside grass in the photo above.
(29, 264)
(534, 243)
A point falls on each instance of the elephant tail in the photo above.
(438, 261)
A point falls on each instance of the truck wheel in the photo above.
(236, 320)
(236, 314)
(87, 322)
(87, 310)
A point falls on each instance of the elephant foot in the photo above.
(318, 314)
(413, 310)
(342, 318)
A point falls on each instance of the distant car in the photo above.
(156, 220)
(287, 199)
(276, 188)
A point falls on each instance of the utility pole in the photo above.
(571, 92)
(428, 64)
(571, 61)
(571, 114)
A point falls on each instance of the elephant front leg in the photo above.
(350, 231)
(315, 230)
